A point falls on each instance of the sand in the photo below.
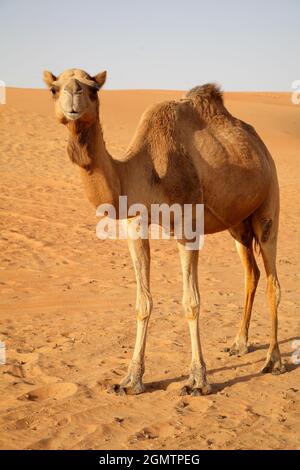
(67, 301)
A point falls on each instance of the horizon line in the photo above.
(156, 89)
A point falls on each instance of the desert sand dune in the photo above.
(67, 300)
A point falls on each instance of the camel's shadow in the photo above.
(217, 387)
(265, 346)
(163, 384)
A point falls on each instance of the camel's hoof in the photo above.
(234, 351)
(237, 350)
(128, 390)
(205, 389)
(117, 390)
(275, 368)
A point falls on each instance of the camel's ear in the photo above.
(100, 78)
(48, 78)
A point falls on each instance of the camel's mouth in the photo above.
(73, 115)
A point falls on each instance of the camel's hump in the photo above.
(208, 91)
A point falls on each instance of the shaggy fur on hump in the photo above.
(207, 91)
(208, 100)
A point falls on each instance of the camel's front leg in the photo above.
(197, 383)
(140, 253)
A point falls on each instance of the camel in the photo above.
(187, 151)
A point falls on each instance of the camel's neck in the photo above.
(98, 170)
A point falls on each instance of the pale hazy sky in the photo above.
(170, 44)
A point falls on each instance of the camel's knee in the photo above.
(144, 306)
(191, 309)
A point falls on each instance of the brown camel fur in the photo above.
(187, 152)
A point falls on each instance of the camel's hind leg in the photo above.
(243, 235)
(265, 226)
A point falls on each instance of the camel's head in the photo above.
(75, 95)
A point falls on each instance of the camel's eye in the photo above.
(53, 90)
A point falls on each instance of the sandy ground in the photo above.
(67, 303)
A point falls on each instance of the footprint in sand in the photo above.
(161, 430)
(56, 391)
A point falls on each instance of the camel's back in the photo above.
(198, 152)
